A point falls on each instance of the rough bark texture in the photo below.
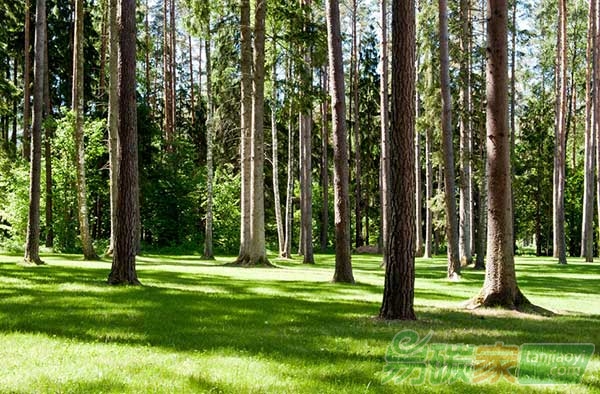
(447, 147)
(306, 246)
(49, 135)
(27, 83)
(32, 245)
(384, 168)
(561, 140)
(465, 140)
(324, 166)
(358, 240)
(77, 106)
(208, 253)
(500, 286)
(398, 293)
(587, 225)
(245, 125)
(123, 266)
(113, 118)
(343, 263)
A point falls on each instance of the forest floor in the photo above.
(198, 326)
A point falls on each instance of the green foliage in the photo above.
(226, 210)
(14, 203)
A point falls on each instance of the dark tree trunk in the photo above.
(32, 245)
(123, 267)
(343, 262)
(398, 293)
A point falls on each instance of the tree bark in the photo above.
(27, 82)
(359, 240)
(126, 237)
(447, 148)
(465, 140)
(32, 245)
(587, 225)
(324, 165)
(560, 146)
(245, 125)
(49, 135)
(306, 148)
(275, 156)
(500, 286)
(168, 74)
(343, 263)
(192, 96)
(398, 293)
(113, 118)
(210, 132)
(77, 106)
(384, 166)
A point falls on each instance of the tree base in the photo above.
(123, 282)
(204, 257)
(32, 261)
(93, 257)
(249, 262)
(504, 300)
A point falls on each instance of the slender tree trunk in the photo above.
(103, 48)
(359, 241)
(168, 75)
(324, 164)
(275, 156)
(147, 52)
(419, 247)
(32, 245)
(126, 237)
(173, 57)
(306, 245)
(384, 166)
(289, 208)
(587, 225)
(246, 123)
(560, 147)
(77, 106)
(192, 96)
(500, 286)
(210, 132)
(398, 292)
(343, 263)
(49, 135)
(428, 195)
(465, 140)
(113, 118)
(596, 97)
(447, 148)
(27, 82)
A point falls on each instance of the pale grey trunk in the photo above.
(26, 84)
(384, 167)
(210, 132)
(447, 146)
(324, 166)
(77, 107)
(419, 247)
(113, 118)
(275, 160)
(355, 105)
(465, 141)
(587, 225)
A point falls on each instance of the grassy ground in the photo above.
(199, 326)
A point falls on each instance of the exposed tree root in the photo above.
(504, 300)
(248, 262)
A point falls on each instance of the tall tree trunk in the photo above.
(384, 166)
(500, 286)
(210, 132)
(306, 246)
(596, 97)
(289, 208)
(192, 96)
(77, 106)
(343, 263)
(419, 246)
(465, 139)
(275, 155)
(168, 75)
(32, 245)
(123, 269)
(245, 125)
(398, 292)
(560, 147)
(587, 225)
(103, 48)
(49, 135)
(359, 241)
(147, 52)
(447, 148)
(428, 195)
(113, 118)
(257, 254)
(27, 82)
(324, 164)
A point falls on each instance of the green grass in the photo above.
(199, 326)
